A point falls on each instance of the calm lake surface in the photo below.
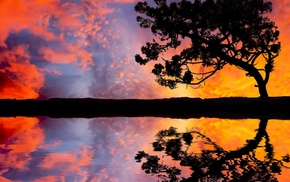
(103, 149)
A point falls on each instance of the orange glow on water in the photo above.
(230, 135)
(19, 136)
(56, 160)
(13, 126)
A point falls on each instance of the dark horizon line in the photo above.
(177, 107)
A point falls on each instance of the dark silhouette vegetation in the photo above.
(213, 163)
(219, 32)
(231, 108)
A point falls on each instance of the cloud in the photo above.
(19, 78)
(50, 33)
(80, 48)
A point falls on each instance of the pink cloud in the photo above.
(21, 79)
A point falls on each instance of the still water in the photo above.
(103, 149)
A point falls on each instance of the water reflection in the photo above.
(103, 149)
(212, 163)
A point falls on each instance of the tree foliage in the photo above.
(215, 164)
(220, 32)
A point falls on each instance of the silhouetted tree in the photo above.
(220, 32)
(215, 164)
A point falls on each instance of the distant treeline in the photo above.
(232, 108)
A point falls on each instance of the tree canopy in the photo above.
(220, 32)
(213, 163)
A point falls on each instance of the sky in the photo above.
(86, 48)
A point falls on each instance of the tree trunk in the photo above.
(252, 71)
(262, 90)
(252, 144)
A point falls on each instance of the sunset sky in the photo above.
(86, 48)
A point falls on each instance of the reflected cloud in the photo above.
(74, 149)
(19, 138)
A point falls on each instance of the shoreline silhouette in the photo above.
(179, 107)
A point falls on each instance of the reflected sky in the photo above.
(103, 149)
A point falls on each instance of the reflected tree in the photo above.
(211, 34)
(214, 163)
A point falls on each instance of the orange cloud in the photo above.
(19, 79)
(20, 15)
(55, 56)
(52, 22)
(49, 178)
(12, 89)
